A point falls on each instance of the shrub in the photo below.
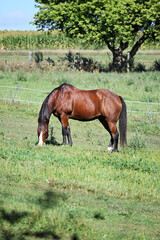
(156, 65)
(21, 76)
(50, 61)
(38, 57)
(79, 62)
(137, 141)
(148, 89)
(140, 67)
(130, 82)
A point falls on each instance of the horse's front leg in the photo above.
(69, 135)
(66, 129)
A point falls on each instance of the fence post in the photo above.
(128, 60)
(149, 109)
(30, 59)
(16, 92)
(75, 64)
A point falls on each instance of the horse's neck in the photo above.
(44, 112)
(52, 101)
(48, 106)
(48, 111)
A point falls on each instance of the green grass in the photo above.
(83, 191)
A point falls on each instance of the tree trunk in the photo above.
(119, 63)
(120, 60)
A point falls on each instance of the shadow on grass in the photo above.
(14, 220)
(43, 234)
(51, 199)
(53, 141)
(12, 217)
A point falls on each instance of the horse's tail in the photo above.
(123, 124)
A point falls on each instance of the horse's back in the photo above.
(87, 105)
(91, 104)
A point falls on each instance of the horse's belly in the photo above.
(86, 107)
(85, 116)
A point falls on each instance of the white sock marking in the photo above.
(110, 148)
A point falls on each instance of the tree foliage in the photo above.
(115, 22)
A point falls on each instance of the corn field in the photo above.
(31, 40)
(39, 40)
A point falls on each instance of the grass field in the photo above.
(83, 191)
(145, 57)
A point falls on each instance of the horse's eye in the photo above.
(46, 121)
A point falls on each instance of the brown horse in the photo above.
(67, 101)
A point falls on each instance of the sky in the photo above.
(16, 14)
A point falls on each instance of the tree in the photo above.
(118, 23)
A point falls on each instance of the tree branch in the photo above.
(137, 45)
(109, 45)
(123, 45)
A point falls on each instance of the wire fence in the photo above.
(30, 101)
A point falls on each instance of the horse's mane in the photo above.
(43, 114)
(63, 86)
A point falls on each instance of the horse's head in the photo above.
(42, 130)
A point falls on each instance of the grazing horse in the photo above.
(68, 102)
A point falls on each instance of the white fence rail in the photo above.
(14, 99)
(28, 89)
(19, 100)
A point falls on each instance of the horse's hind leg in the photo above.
(115, 135)
(105, 124)
(66, 129)
(66, 132)
(112, 129)
(110, 147)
